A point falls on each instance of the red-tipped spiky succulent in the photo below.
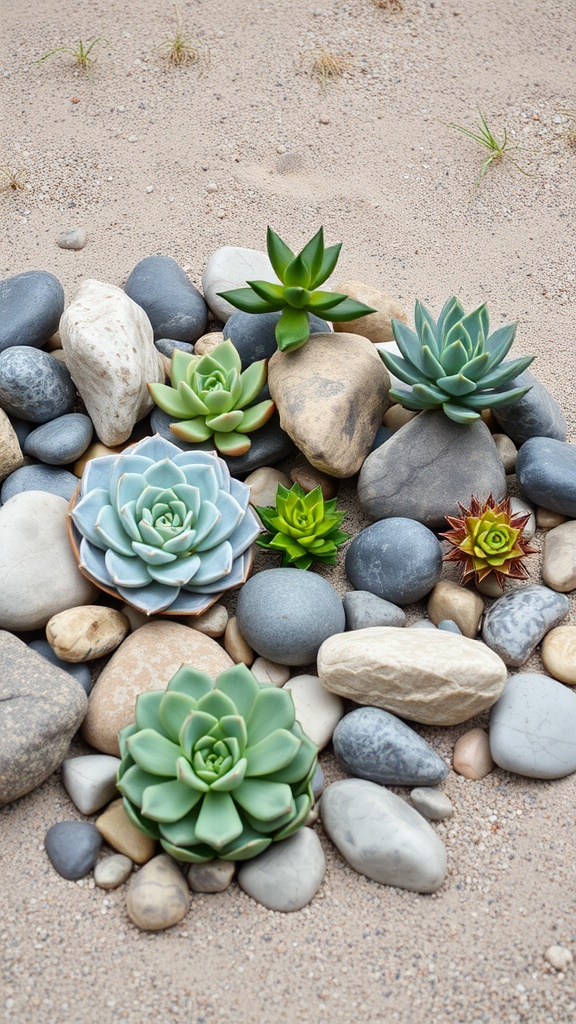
(487, 538)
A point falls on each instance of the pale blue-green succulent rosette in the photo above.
(164, 530)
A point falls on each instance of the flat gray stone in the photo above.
(546, 474)
(516, 622)
(60, 441)
(536, 414)
(175, 308)
(31, 305)
(73, 848)
(364, 609)
(90, 781)
(372, 744)
(34, 385)
(39, 478)
(533, 727)
(288, 874)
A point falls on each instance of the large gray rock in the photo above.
(533, 727)
(34, 385)
(546, 473)
(372, 744)
(288, 874)
(536, 414)
(176, 308)
(382, 837)
(516, 622)
(31, 305)
(41, 708)
(398, 559)
(427, 467)
(424, 675)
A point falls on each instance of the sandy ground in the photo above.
(156, 160)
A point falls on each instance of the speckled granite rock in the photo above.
(516, 622)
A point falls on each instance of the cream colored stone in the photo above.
(396, 416)
(117, 830)
(146, 660)
(207, 343)
(507, 451)
(110, 352)
(317, 710)
(548, 520)
(263, 484)
(85, 633)
(559, 558)
(11, 457)
(308, 477)
(558, 653)
(449, 600)
(424, 675)
(158, 896)
(212, 622)
(112, 871)
(266, 671)
(377, 327)
(96, 450)
(472, 757)
(331, 395)
(60, 355)
(519, 505)
(237, 647)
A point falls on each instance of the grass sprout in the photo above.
(12, 181)
(326, 66)
(497, 151)
(80, 52)
(181, 49)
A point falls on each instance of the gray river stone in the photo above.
(39, 478)
(73, 848)
(31, 305)
(536, 414)
(175, 308)
(546, 474)
(372, 744)
(516, 622)
(288, 874)
(34, 385)
(533, 727)
(60, 441)
(398, 559)
(364, 609)
(253, 334)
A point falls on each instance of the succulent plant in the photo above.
(297, 295)
(304, 527)
(216, 769)
(211, 396)
(454, 364)
(487, 538)
(163, 529)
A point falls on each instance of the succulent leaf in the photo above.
(278, 253)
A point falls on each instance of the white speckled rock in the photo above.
(382, 837)
(288, 874)
(449, 600)
(533, 727)
(231, 267)
(558, 653)
(82, 634)
(559, 558)
(317, 710)
(109, 346)
(90, 781)
(38, 570)
(432, 803)
(112, 871)
(424, 675)
(158, 896)
(517, 621)
(212, 876)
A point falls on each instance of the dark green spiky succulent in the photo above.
(454, 364)
(304, 527)
(297, 296)
(216, 768)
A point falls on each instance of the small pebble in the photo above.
(119, 832)
(308, 477)
(212, 622)
(72, 238)
(558, 957)
(235, 644)
(449, 626)
(207, 343)
(548, 520)
(507, 451)
(263, 484)
(364, 609)
(85, 633)
(266, 671)
(451, 601)
(73, 848)
(212, 876)
(558, 653)
(432, 803)
(472, 758)
(396, 416)
(519, 505)
(158, 896)
(112, 871)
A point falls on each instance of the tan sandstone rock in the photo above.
(559, 558)
(11, 457)
(558, 653)
(117, 830)
(377, 327)
(449, 600)
(85, 633)
(472, 758)
(158, 896)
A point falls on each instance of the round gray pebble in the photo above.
(397, 559)
(34, 385)
(73, 848)
(373, 744)
(39, 478)
(62, 440)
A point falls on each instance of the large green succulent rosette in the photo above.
(216, 768)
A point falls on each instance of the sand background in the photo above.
(148, 160)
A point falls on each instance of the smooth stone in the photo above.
(449, 600)
(39, 478)
(11, 457)
(449, 626)
(109, 346)
(382, 837)
(167, 347)
(112, 871)
(489, 587)
(263, 484)
(546, 474)
(397, 416)
(377, 327)
(507, 451)
(428, 467)
(90, 781)
(253, 334)
(518, 505)
(41, 708)
(558, 653)
(365, 609)
(37, 566)
(331, 395)
(231, 267)
(73, 848)
(287, 876)
(559, 957)
(146, 660)
(559, 558)
(21, 428)
(536, 414)
(309, 478)
(236, 645)
(212, 622)
(212, 876)
(547, 520)
(398, 559)
(31, 305)
(433, 804)
(421, 624)
(266, 671)
(118, 831)
(471, 757)
(72, 238)
(424, 675)
(317, 710)
(516, 622)
(175, 308)
(83, 634)
(62, 440)
(33, 385)
(81, 673)
(533, 727)
(318, 782)
(373, 744)
(285, 614)
(158, 896)
(208, 342)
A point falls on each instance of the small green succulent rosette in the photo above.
(304, 527)
(212, 398)
(216, 768)
(162, 529)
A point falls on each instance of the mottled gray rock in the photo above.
(34, 385)
(285, 614)
(90, 781)
(110, 872)
(73, 848)
(546, 474)
(382, 837)
(41, 708)
(533, 727)
(81, 673)
(373, 744)
(253, 334)
(433, 804)
(536, 414)
(213, 876)
(39, 478)
(288, 874)
(175, 308)
(31, 305)
(427, 467)
(516, 622)
(60, 441)
(364, 609)
(158, 896)
(398, 559)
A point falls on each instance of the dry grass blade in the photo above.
(12, 181)
(497, 151)
(181, 49)
(325, 66)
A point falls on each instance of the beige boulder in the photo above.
(449, 600)
(377, 327)
(85, 633)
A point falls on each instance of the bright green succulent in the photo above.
(216, 768)
(297, 296)
(211, 396)
(304, 527)
(454, 364)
